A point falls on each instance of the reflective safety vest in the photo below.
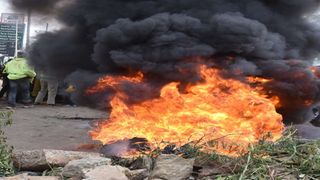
(18, 68)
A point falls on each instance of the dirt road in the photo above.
(57, 127)
(66, 128)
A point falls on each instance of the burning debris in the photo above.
(178, 71)
(131, 147)
(224, 110)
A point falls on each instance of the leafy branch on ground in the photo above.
(54, 171)
(288, 158)
(6, 163)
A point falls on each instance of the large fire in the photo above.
(223, 115)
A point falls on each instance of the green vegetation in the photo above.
(55, 171)
(6, 164)
(288, 158)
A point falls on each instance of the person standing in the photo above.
(49, 84)
(5, 83)
(2, 59)
(20, 75)
(35, 89)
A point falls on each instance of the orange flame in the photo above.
(223, 115)
(315, 70)
(258, 81)
(111, 81)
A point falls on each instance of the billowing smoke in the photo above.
(35, 5)
(266, 38)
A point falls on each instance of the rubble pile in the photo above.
(94, 166)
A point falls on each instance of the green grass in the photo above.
(288, 158)
(6, 164)
(56, 171)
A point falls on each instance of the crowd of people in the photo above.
(20, 83)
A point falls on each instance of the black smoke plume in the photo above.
(35, 5)
(266, 38)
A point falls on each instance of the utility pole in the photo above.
(47, 27)
(28, 28)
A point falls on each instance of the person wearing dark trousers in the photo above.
(20, 75)
(5, 85)
(5, 81)
(23, 86)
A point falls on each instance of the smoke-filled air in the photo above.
(168, 40)
(36, 5)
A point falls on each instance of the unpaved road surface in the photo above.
(66, 128)
(59, 127)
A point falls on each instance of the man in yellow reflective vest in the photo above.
(20, 75)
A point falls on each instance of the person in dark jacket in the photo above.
(5, 80)
(5, 83)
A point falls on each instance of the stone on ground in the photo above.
(106, 172)
(137, 174)
(172, 167)
(40, 160)
(78, 168)
(27, 177)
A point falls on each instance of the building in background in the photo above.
(9, 24)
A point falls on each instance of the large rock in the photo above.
(172, 167)
(137, 174)
(27, 177)
(106, 172)
(205, 166)
(78, 168)
(40, 160)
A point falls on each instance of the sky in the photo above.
(4, 5)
